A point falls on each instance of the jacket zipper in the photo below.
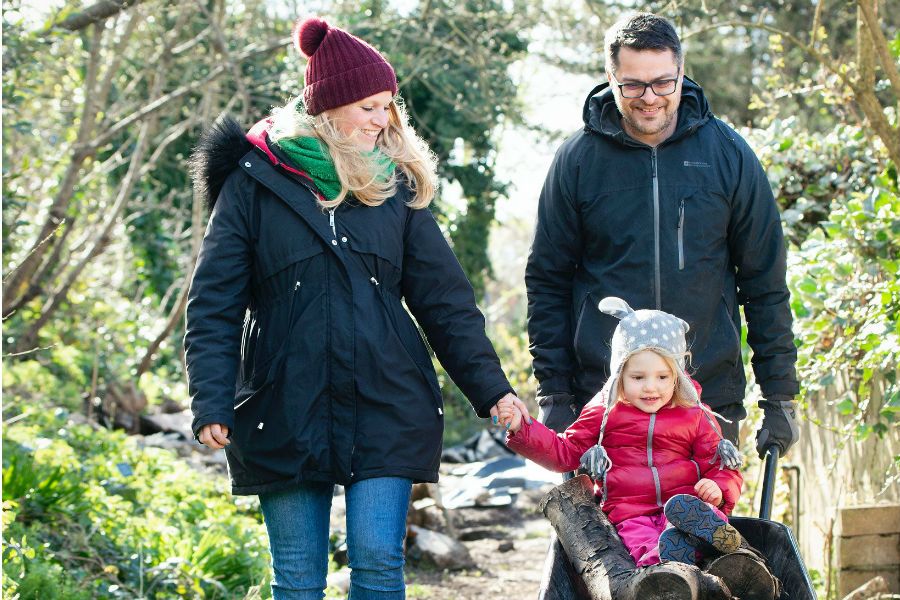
(656, 268)
(681, 235)
(650, 460)
(331, 222)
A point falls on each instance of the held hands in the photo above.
(709, 491)
(509, 412)
(214, 435)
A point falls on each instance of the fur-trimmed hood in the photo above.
(215, 156)
(220, 148)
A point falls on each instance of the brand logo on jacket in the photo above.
(694, 163)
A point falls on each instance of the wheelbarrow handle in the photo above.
(768, 491)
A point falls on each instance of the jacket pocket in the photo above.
(414, 346)
(735, 334)
(264, 428)
(593, 332)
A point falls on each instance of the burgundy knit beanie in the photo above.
(341, 68)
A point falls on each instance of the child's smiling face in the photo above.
(648, 382)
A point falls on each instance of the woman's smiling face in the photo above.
(363, 121)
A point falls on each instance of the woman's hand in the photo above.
(510, 411)
(214, 435)
(709, 491)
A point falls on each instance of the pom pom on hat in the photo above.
(308, 35)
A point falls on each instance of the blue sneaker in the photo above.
(676, 546)
(692, 515)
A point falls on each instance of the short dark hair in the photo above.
(641, 31)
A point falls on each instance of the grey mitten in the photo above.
(595, 462)
(557, 411)
(779, 425)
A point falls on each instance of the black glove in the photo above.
(557, 411)
(779, 425)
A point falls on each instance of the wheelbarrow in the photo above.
(563, 578)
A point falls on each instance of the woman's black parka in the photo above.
(296, 337)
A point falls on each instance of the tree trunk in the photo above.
(599, 557)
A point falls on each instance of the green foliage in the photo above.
(90, 514)
(843, 212)
(809, 172)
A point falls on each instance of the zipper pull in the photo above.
(681, 214)
(331, 221)
(373, 280)
(296, 285)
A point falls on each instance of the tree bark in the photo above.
(869, 16)
(599, 557)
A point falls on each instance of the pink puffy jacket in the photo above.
(654, 456)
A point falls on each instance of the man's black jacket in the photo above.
(296, 337)
(690, 227)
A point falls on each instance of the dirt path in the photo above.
(502, 572)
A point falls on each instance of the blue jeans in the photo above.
(297, 522)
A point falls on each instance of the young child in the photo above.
(664, 474)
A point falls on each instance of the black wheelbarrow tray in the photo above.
(773, 539)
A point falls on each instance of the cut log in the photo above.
(598, 556)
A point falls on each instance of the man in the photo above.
(659, 203)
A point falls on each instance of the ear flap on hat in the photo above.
(615, 307)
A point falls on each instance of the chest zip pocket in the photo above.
(681, 235)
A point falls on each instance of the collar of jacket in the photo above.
(281, 182)
(602, 117)
(259, 137)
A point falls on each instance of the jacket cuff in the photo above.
(778, 398)
(779, 387)
(554, 385)
(494, 394)
(221, 418)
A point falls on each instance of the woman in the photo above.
(302, 362)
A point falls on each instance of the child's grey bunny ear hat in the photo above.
(640, 330)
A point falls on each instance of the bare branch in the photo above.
(218, 40)
(162, 101)
(867, 11)
(30, 351)
(91, 15)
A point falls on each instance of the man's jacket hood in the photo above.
(601, 116)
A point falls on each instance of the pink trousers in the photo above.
(641, 536)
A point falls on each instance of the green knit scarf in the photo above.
(310, 155)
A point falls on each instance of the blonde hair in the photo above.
(671, 360)
(360, 174)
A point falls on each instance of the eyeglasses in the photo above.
(637, 89)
